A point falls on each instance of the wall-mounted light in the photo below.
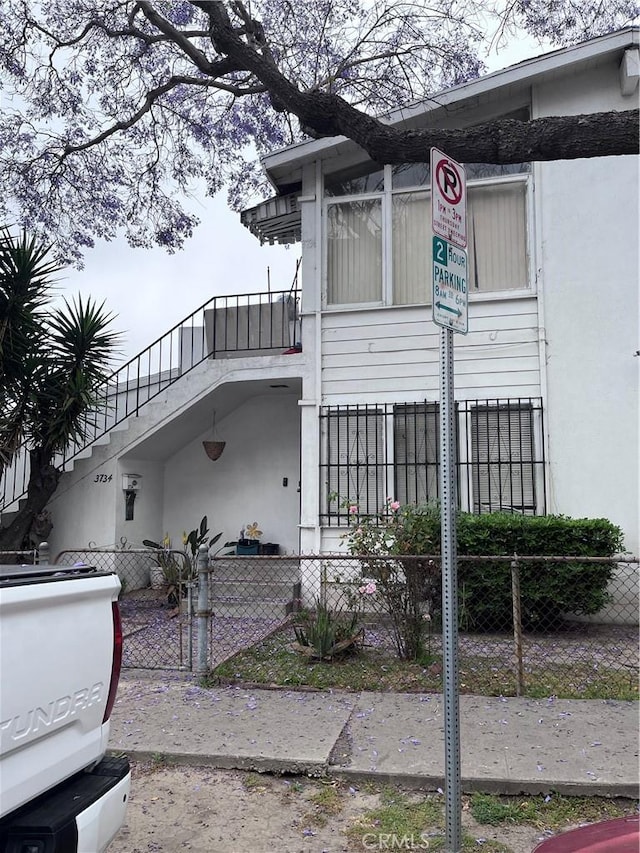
(131, 484)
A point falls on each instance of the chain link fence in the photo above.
(252, 597)
(568, 622)
(157, 602)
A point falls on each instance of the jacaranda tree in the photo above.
(114, 110)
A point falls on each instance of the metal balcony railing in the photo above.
(247, 324)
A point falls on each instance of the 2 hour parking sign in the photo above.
(450, 281)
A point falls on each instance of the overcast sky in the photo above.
(150, 291)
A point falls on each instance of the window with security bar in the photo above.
(354, 460)
(503, 453)
(373, 452)
(416, 448)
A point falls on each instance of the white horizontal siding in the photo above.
(392, 354)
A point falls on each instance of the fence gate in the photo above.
(157, 603)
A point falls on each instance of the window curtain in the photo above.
(411, 248)
(354, 252)
(496, 238)
(502, 454)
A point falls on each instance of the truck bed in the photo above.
(57, 628)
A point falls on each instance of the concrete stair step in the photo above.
(277, 610)
(252, 590)
(256, 569)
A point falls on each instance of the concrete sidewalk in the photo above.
(508, 745)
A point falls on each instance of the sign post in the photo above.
(450, 311)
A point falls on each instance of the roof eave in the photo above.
(289, 160)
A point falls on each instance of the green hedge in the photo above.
(548, 589)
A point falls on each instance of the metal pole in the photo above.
(449, 596)
(189, 664)
(517, 624)
(43, 553)
(203, 612)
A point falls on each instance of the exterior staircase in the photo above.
(255, 587)
(221, 332)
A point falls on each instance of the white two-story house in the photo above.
(329, 391)
(546, 380)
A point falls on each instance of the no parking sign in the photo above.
(448, 199)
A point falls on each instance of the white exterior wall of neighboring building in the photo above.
(589, 277)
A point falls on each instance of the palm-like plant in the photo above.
(51, 364)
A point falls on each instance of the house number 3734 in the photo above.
(103, 478)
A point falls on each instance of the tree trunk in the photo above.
(43, 481)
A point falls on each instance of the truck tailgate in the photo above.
(56, 655)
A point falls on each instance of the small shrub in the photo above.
(547, 589)
(324, 634)
(408, 585)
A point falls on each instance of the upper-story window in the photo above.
(378, 233)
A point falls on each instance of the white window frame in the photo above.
(386, 201)
(346, 199)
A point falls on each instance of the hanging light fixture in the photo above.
(214, 448)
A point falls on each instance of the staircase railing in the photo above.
(224, 327)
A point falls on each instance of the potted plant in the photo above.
(249, 541)
(170, 572)
(177, 571)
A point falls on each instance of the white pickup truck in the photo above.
(60, 656)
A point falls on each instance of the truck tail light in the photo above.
(117, 661)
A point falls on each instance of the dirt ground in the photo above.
(173, 809)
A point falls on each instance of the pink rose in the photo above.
(353, 509)
(370, 588)
(394, 505)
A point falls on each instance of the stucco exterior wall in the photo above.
(589, 266)
(589, 234)
(85, 507)
(246, 483)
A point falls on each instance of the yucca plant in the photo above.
(322, 634)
